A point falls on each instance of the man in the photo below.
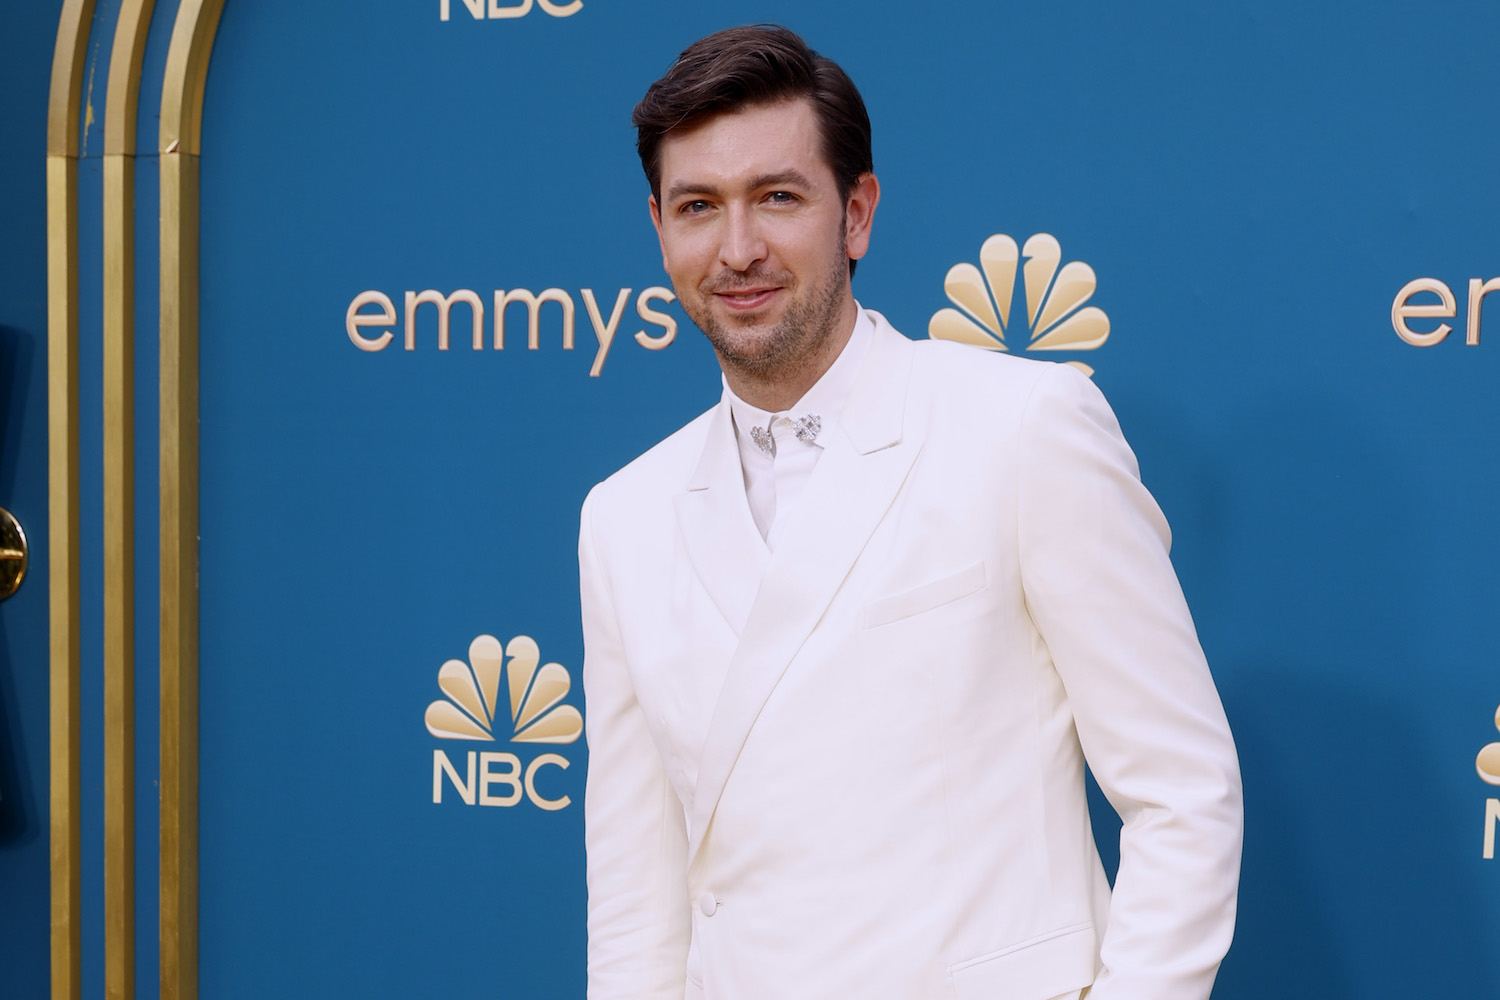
(852, 633)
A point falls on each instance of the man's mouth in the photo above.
(746, 299)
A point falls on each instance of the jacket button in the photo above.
(708, 904)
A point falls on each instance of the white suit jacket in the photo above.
(854, 769)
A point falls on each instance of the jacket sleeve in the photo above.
(1102, 592)
(634, 829)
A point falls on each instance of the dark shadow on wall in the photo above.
(18, 812)
(17, 353)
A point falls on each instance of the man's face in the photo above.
(755, 236)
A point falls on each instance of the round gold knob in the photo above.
(12, 554)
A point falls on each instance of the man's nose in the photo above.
(742, 245)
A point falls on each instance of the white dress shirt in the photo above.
(775, 479)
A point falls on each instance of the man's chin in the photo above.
(742, 328)
(747, 345)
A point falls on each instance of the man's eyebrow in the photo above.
(689, 187)
(789, 178)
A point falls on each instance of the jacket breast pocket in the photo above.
(1059, 964)
(923, 597)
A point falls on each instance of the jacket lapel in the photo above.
(862, 468)
(722, 541)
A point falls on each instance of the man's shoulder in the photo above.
(664, 467)
(953, 364)
(965, 377)
(963, 360)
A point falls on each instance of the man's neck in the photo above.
(781, 389)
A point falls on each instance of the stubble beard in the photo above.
(789, 347)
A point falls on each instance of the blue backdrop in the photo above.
(1252, 186)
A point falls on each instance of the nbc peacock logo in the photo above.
(1056, 317)
(1487, 763)
(533, 712)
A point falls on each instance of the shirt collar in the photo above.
(827, 396)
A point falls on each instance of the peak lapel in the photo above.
(726, 550)
(854, 483)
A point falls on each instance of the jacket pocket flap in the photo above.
(1048, 966)
(924, 597)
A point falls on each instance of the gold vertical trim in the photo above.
(119, 579)
(181, 114)
(119, 497)
(62, 492)
(179, 577)
(62, 513)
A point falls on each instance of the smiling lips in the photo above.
(746, 299)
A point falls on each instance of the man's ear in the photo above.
(656, 222)
(859, 215)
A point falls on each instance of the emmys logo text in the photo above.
(375, 311)
(1445, 306)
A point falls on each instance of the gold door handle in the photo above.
(13, 554)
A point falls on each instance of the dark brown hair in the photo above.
(742, 67)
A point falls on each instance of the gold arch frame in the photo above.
(181, 121)
(181, 117)
(119, 496)
(62, 491)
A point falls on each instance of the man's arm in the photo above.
(634, 830)
(1101, 589)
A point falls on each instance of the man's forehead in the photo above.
(756, 140)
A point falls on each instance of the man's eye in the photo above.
(694, 207)
(781, 197)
